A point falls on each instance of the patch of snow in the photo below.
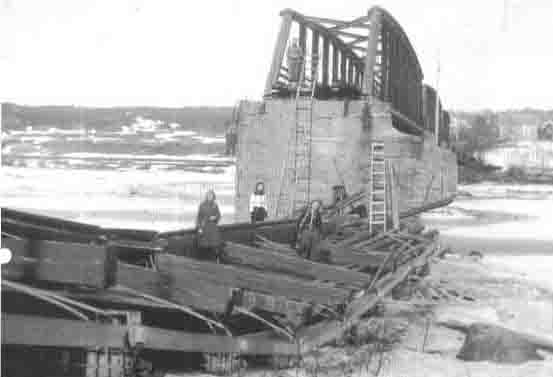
(36, 139)
(128, 156)
(536, 268)
(209, 140)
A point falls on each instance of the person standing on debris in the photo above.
(258, 204)
(208, 235)
(309, 230)
(294, 57)
(231, 139)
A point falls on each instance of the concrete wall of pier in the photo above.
(341, 139)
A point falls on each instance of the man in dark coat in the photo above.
(309, 230)
(208, 236)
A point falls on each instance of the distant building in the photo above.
(528, 132)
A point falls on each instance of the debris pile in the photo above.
(128, 299)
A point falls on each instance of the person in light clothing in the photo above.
(258, 203)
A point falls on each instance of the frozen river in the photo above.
(511, 225)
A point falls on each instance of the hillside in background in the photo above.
(208, 120)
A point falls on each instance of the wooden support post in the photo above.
(372, 47)
(278, 54)
(326, 56)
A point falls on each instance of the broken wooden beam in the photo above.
(296, 266)
(327, 331)
(56, 332)
(279, 285)
(202, 294)
(347, 256)
(33, 226)
(60, 262)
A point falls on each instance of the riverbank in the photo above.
(510, 284)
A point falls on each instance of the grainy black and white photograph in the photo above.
(276, 188)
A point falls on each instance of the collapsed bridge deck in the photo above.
(121, 289)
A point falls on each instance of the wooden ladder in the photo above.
(377, 188)
(299, 147)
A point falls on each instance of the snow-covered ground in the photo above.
(142, 174)
(125, 198)
(521, 239)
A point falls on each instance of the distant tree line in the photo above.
(477, 131)
(207, 119)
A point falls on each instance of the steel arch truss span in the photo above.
(371, 56)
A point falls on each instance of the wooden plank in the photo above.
(60, 262)
(166, 287)
(43, 331)
(182, 242)
(346, 256)
(55, 332)
(49, 221)
(327, 331)
(44, 232)
(201, 293)
(278, 54)
(196, 272)
(427, 207)
(277, 262)
(394, 199)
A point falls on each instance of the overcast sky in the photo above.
(207, 52)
